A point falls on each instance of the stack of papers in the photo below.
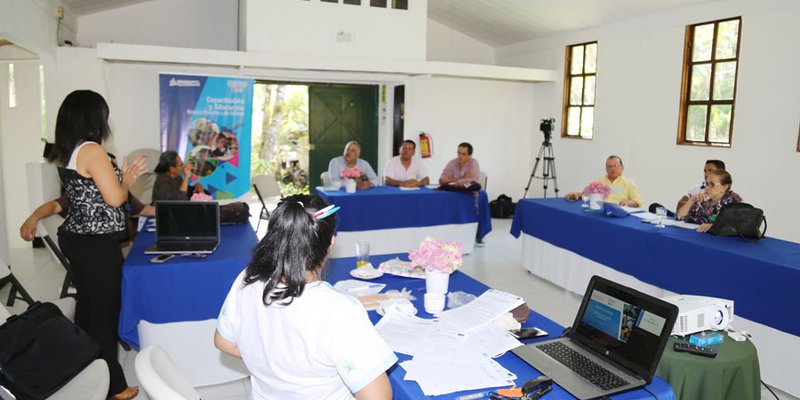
(439, 375)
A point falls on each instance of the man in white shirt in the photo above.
(406, 170)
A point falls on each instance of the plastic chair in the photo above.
(483, 180)
(17, 291)
(152, 158)
(160, 377)
(191, 345)
(143, 187)
(266, 187)
(325, 177)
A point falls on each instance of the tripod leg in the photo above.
(533, 171)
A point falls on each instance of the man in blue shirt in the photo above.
(350, 159)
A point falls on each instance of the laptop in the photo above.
(186, 227)
(615, 344)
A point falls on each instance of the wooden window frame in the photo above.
(567, 86)
(686, 84)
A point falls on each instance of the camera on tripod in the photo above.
(547, 128)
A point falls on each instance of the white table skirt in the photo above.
(778, 352)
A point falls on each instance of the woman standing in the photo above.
(95, 224)
(300, 338)
(704, 207)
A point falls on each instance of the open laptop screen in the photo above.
(185, 220)
(627, 326)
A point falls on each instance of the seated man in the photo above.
(623, 190)
(463, 168)
(711, 165)
(169, 184)
(350, 159)
(406, 170)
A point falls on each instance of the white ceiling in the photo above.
(496, 22)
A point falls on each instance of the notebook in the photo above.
(615, 344)
(186, 227)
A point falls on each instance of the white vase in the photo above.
(436, 282)
(595, 201)
(350, 185)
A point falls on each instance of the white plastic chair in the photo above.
(161, 379)
(152, 158)
(325, 177)
(143, 187)
(483, 180)
(191, 345)
(266, 187)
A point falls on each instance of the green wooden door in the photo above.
(338, 114)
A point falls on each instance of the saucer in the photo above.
(366, 272)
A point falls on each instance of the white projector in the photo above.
(700, 313)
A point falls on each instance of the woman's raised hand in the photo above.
(131, 172)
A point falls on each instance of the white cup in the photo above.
(434, 303)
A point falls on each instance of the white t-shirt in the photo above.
(697, 189)
(396, 170)
(321, 346)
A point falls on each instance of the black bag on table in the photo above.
(463, 187)
(234, 213)
(740, 219)
(502, 207)
(41, 350)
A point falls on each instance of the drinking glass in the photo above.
(661, 213)
(585, 199)
(362, 254)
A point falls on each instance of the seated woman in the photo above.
(300, 338)
(704, 207)
(169, 184)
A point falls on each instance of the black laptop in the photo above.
(186, 227)
(615, 344)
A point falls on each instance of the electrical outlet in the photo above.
(60, 12)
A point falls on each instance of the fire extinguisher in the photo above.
(425, 145)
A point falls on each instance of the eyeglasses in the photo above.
(613, 166)
(712, 184)
(463, 154)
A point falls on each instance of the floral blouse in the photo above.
(702, 212)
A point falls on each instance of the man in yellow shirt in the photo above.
(623, 190)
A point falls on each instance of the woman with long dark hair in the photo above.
(300, 338)
(95, 223)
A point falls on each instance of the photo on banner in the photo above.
(207, 120)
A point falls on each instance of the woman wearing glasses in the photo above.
(704, 207)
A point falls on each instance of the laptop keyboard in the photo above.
(590, 370)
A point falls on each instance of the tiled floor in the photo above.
(496, 264)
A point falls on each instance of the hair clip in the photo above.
(326, 212)
(301, 204)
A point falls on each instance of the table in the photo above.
(183, 288)
(339, 268)
(733, 374)
(395, 220)
(566, 246)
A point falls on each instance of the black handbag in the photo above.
(740, 219)
(462, 187)
(41, 350)
(502, 207)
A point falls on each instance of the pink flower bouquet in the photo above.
(351, 173)
(436, 255)
(597, 187)
(200, 197)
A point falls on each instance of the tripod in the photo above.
(548, 168)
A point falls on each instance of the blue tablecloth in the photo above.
(338, 269)
(388, 207)
(183, 288)
(759, 277)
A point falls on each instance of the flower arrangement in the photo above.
(201, 197)
(436, 255)
(597, 187)
(351, 173)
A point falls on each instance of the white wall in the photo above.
(638, 89)
(446, 44)
(492, 116)
(207, 24)
(311, 27)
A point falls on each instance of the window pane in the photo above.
(378, 3)
(591, 58)
(727, 37)
(573, 121)
(724, 80)
(575, 90)
(588, 91)
(587, 122)
(576, 66)
(719, 127)
(701, 48)
(12, 86)
(353, 2)
(696, 123)
(330, 1)
(400, 4)
(701, 80)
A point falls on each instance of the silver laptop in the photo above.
(615, 344)
(186, 227)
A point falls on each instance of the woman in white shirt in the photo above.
(299, 337)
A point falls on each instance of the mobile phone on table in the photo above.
(161, 258)
(527, 333)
